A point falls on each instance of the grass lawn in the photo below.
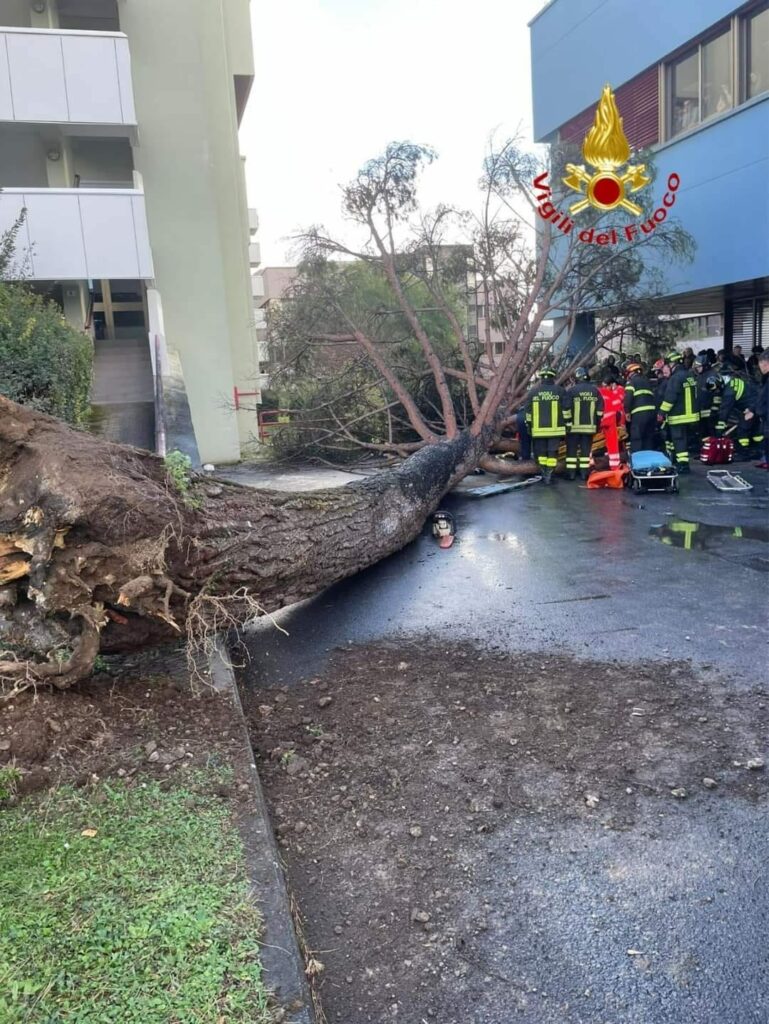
(127, 904)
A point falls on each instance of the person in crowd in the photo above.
(640, 409)
(678, 410)
(688, 357)
(753, 369)
(613, 396)
(548, 412)
(586, 404)
(738, 360)
(609, 367)
(524, 436)
(763, 405)
(740, 403)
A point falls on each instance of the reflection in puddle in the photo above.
(510, 540)
(693, 536)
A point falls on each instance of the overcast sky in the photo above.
(338, 79)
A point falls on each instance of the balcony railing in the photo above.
(78, 234)
(56, 76)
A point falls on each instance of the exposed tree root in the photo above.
(97, 551)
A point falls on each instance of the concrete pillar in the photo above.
(75, 300)
(581, 339)
(59, 171)
(728, 326)
(48, 17)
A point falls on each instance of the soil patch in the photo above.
(140, 715)
(424, 794)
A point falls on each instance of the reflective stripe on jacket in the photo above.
(586, 408)
(738, 396)
(548, 410)
(639, 396)
(679, 401)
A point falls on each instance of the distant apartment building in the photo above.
(692, 85)
(270, 285)
(119, 138)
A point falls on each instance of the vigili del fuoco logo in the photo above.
(607, 150)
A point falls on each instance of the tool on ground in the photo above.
(725, 480)
(444, 528)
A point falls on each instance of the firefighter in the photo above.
(613, 416)
(547, 413)
(640, 409)
(708, 401)
(586, 404)
(678, 410)
(740, 401)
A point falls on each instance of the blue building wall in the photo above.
(577, 46)
(723, 202)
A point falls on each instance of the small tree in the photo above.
(44, 362)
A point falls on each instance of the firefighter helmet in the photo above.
(714, 382)
(673, 357)
(547, 373)
(658, 367)
(632, 367)
(581, 374)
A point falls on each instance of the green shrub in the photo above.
(44, 362)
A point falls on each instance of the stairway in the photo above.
(122, 395)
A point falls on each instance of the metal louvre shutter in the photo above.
(744, 325)
(638, 102)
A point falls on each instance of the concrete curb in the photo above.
(281, 956)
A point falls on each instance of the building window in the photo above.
(701, 83)
(716, 58)
(685, 93)
(757, 53)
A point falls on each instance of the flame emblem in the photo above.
(606, 148)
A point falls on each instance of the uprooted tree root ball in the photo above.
(99, 551)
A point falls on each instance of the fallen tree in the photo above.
(98, 550)
(101, 550)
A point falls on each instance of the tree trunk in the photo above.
(98, 551)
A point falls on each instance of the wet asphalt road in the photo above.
(600, 574)
(596, 575)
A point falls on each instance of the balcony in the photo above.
(78, 234)
(54, 76)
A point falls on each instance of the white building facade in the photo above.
(119, 145)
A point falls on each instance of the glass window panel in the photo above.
(685, 93)
(717, 75)
(758, 53)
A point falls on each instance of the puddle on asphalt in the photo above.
(691, 535)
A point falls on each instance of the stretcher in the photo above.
(652, 471)
(725, 480)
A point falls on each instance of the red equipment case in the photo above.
(716, 451)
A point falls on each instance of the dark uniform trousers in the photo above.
(643, 427)
(578, 448)
(545, 451)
